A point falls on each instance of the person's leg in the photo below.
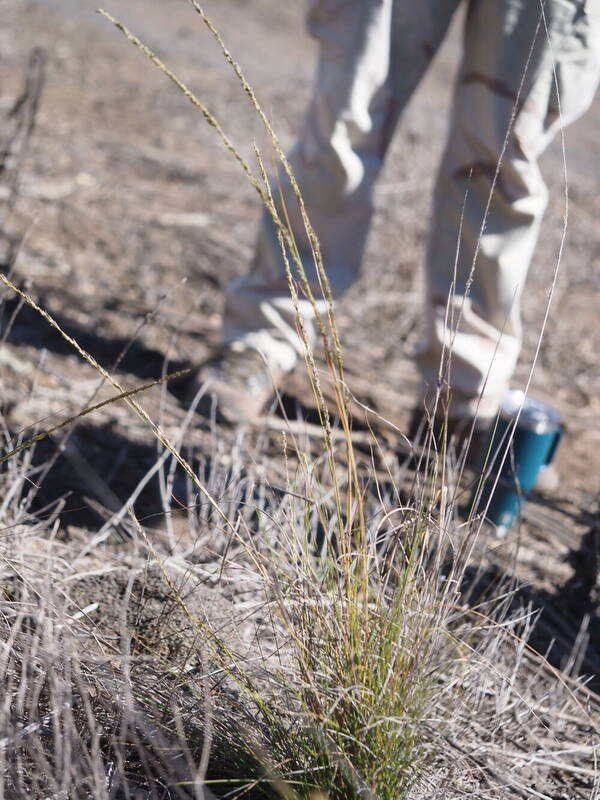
(372, 54)
(524, 73)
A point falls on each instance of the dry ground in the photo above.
(135, 219)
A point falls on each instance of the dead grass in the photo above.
(118, 680)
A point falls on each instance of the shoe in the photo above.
(237, 381)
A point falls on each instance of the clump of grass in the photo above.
(367, 632)
(363, 638)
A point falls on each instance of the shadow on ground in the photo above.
(91, 473)
(567, 631)
(29, 328)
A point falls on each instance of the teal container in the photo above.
(524, 442)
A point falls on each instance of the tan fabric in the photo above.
(524, 73)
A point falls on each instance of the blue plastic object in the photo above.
(524, 441)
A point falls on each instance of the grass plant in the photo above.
(355, 629)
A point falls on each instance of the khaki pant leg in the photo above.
(523, 76)
(359, 92)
